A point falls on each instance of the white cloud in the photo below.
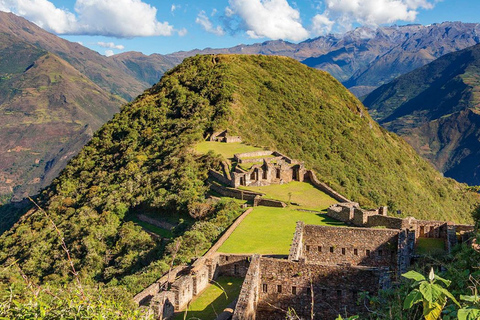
(373, 12)
(110, 45)
(173, 8)
(41, 12)
(119, 18)
(321, 25)
(116, 18)
(207, 25)
(274, 19)
(182, 32)
(109, 53)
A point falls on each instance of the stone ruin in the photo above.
(223, 136)
(352, 214)
(327, 267)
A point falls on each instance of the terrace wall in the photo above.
(310, 176)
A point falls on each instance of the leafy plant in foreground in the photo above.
(430, 293)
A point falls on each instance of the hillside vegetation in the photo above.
(435, 108)
(143, 161)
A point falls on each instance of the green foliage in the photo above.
(429, 292)
(68, 303)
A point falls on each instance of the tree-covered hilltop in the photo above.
(143, 161)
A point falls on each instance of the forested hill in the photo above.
(142, 161)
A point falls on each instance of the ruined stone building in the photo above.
(272, 287)
(268, 168)
(327, 267)
(326, 270)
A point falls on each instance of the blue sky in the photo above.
(154, 26)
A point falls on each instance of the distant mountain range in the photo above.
(55, 93)
(436, 108)
(365, 58)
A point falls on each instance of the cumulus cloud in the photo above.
(119, 18)
(207, 25)
(373, 12)
(274, 19)
(109, 53)
(110, 45)
(43, 13)
(321, 25)
(116, 18)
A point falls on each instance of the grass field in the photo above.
(302, 193)
(227, 150)
(430, 246)
(268, 230)
(213, 300)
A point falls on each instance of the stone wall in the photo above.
(405, 251)
(219, 177)
(234, 193)
(163, 305)
(231, 139)
(354, 246)
(430, 229)
(296, 249)
(256, 154)
(183, 289)
(259, 201)
(248, 298)
(232, 265)
(387, 222)
(144, 297)
(342, 211)
(310, 176)
(287, 284)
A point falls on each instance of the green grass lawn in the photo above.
(227, 150)
(213, 300)
(303, 193)
(268, 230)
(430, 246)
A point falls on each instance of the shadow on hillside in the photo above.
(11, 212)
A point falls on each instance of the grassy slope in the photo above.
(301, 193)
(226, 150)
(283, 105)
(268, 230)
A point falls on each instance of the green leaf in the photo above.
(469, 298)
(426, 290)
(414, 276)
(412, 298)
(432, 311)
(445, 281)
(448, 294)
(468, 314)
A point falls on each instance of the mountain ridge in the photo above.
(435, 108)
